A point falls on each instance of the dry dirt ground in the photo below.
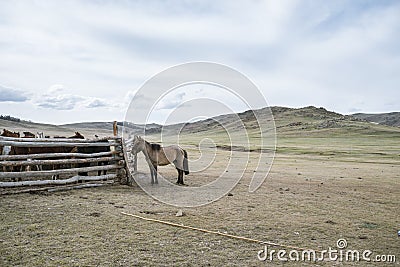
(308, 201)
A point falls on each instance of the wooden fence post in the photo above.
(115, 128)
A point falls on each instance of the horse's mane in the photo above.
(154, 146)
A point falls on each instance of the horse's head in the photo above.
(77, 136)
(137, 144)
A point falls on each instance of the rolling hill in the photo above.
(307, 121)
(390, 119)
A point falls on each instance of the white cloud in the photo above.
(8, 94)
(57, 98)
(171, 101)
(324, 53)
(96, 103)
(59, 102)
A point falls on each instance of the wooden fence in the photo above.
(34, 171)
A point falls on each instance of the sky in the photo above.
(74, 61)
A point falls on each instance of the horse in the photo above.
(156, 155)
(7, 133)
(76, 136)
(28, 135)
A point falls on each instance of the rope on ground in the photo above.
(218, 233)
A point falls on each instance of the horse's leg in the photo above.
(54, 176)
(181, 173)
(151, 173)
(180, 176)
(177, 181)
(155, 175)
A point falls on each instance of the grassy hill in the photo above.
(304, 131)
(87, 129)
(308, 130)
(390, 119)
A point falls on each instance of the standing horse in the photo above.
(160, 156)
(8, 133)
(29, 135)
(7, 149)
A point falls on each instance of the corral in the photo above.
(39, 159)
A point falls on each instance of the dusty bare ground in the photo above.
(307, 201)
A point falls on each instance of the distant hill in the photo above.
(290, 122)
(87, 129)
(390, 119)
(307, 121)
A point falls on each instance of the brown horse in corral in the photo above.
(28, 135)
(76, 136)
(7, 133)
(156, 155)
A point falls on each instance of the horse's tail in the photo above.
(185, 162)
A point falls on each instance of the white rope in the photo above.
(217, 233)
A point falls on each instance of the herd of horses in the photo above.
(15, 150)
(35, 150)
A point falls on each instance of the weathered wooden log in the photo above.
(56, 144)
(55, 172)
(55, 140)
(73, 179)
(55, 162)
(64, 188)
(56, 155)
(53, 188)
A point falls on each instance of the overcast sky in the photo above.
(69, 61)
